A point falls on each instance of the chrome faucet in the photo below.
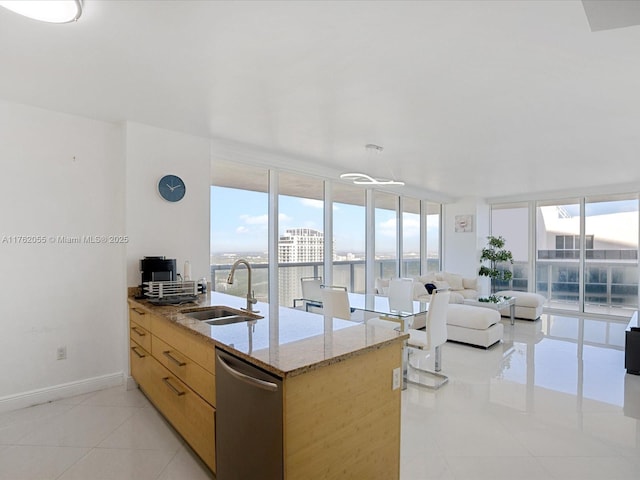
(251, 298)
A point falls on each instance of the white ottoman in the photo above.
(473, 325)
(528, 305)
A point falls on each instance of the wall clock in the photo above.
(171, 188)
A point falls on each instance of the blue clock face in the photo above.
(171, 188)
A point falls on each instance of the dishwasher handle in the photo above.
(256, 382)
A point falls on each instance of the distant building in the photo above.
(299, 245)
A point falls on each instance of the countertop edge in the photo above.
(163, 311)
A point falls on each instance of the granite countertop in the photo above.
(286, 342)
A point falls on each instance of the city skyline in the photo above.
(242, 225)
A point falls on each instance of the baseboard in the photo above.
(57, 392)
(130, 383)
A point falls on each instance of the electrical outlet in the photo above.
(62, 353)
(397, 379)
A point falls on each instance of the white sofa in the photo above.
(477, 326)
(461, 287)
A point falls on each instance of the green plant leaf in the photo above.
(494, 254)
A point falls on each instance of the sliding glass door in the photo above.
(587, 254)
(611, 255)
(558, 254)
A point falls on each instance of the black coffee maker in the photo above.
(158, 269)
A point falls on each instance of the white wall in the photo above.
(177, 230)
(62, 176)
(461, 250)
(67, 176)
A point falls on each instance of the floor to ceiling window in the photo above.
(240, 214)
(558, 259)
(301, 232)
(239, 229)
(611, 254)
(432, 250)
(349, 225)
(386, 235)
(410, 237)
(587, 254)
(512, 223)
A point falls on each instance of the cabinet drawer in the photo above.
(140, 335)
(141, 317)
(139, 360)
(196, 377)
(200, 351)
(191, 416)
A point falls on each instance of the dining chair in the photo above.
(335, 302)
(311, 295)
(401, 295)
(431, 339)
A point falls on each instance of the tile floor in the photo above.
(551, 402)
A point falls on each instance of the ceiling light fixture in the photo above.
(363, 178)
(52, 11)
(373, 148)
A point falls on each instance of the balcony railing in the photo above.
(348, 273)
(590, 254)
(608, 284)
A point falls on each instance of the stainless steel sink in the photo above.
(220, 315)
(230, 320)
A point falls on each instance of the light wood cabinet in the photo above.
(189, 414)
(140, 335)
(199, 351)
(200, 380)
(139, 360)
(179, 387)
(340, 420)
(141, 317)
(343, 420)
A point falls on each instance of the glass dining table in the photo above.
(386, 306)
(408, 314)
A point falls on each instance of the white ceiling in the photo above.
(479, 98)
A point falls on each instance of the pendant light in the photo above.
(51, 11)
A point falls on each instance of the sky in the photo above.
(602, 208)
(239, 223)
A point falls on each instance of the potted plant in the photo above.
(495, 253)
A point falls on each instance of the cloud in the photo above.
(308, 202)
(411, 225)
(255, 220)
(387, 228)
(242, 229)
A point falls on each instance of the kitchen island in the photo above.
(340, 408)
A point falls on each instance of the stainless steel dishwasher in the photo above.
(248, 421)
